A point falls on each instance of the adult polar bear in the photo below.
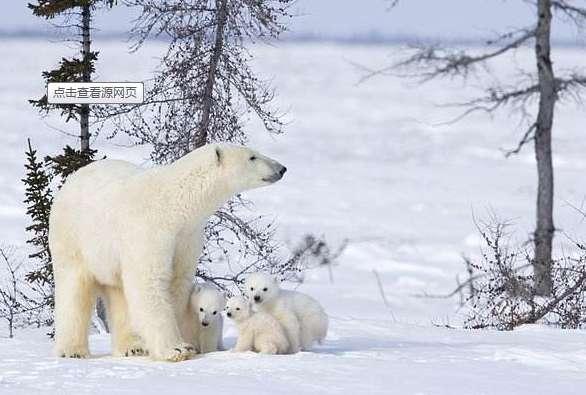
(132, 235)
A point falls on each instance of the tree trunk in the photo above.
(84, 112)
(544, 231)
(201, 138)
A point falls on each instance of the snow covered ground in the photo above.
(368, 163)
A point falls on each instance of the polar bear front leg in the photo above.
(265, 346)
(125, 343)
(147, 283)
(187, 250)
(245, 341)
(220, 334)
(292, 328)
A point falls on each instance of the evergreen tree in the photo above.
(69, 161)
(74, 69)
(38, 199)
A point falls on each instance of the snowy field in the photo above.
(370, 163)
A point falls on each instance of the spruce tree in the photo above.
(38, 199)
(76, 13)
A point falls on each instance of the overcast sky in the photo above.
(347, 18)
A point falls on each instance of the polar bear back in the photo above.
(302, 304)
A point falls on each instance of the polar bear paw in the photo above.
(135, 351)
(133, 348)
(74, 352)
(180, 352)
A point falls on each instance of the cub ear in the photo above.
(218, 156)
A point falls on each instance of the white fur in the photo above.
(259, 332)
(207, 304)
(303, 318)
(134, 235)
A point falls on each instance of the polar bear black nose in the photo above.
(229, 314)
(257, 298)
(282, 171)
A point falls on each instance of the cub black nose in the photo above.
(282, 171)
(257, 298)
(204, 323)
(229, 314)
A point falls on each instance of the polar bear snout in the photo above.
(257, 298)
(278, 172)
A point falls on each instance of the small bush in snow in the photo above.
(500, 292)
(19, 301)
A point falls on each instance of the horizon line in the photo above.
(353, 38)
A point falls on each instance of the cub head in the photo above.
(207, 304)
(261, 288)
(244, 168)
(238, 308)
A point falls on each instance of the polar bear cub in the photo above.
(207, 304)
(302, 317)
(258, 332)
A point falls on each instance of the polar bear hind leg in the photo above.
(306, 337)
(75, 298)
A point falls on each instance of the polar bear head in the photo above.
(207, 304)
(238, 308)
(247, 169)
(242, 168)
(261, 288)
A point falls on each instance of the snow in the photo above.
(371, 163)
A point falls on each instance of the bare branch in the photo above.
(436, 62)
(576, 14)
(528, 136)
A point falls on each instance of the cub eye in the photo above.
(252, 288)
(201, 309)
(252, 157)
(237, 308)
(265, 289)
(215, 312)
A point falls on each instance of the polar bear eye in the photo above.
(238, 308)
(201, 309)
(252, 288)
(265, 289)
(215, 312)
(252, 157)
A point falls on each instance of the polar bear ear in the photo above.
(218, 156)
